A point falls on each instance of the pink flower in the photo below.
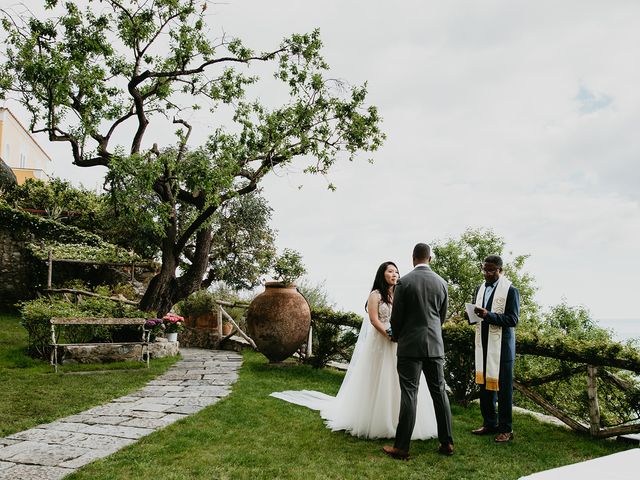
(173, 323)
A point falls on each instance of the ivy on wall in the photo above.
(66, 242)
(107, 253)
(44, 228)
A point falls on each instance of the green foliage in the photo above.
(86, 210)
(106, 253)
(198, 303)
(244, 245)
(568, 330)
(288, 266)
(88, 78)
(8, 180)
(59, 199)
(203, 302)
(334, 335)
(316, 294)
(459, 365)
(574, 322)
(44, 228)
(458, 262)
(37, 313)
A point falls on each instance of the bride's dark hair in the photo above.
(380, 284)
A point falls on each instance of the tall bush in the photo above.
(36, 315)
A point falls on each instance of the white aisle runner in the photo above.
(619, 466)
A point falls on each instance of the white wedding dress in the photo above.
(368, 402)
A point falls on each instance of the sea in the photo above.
(622, 329)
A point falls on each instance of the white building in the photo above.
(20, 150)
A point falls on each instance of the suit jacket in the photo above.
(507, 320)
(419, 309)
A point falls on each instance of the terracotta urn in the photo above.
(278, 320)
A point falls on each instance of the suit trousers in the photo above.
(503, 421)
(409, 369)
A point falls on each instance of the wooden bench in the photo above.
(144, 339)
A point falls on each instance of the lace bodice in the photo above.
(384, 310)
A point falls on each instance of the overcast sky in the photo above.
(513, 115)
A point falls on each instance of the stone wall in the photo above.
(107, 352)
(17, 272)
(22, 275)
(196, 338)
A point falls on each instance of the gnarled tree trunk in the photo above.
(166, 289)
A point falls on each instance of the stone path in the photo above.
(56, 449)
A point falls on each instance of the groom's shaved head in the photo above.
(421, 251)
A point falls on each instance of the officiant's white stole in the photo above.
(490, 377)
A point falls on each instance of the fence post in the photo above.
(592, 394)
(50, 274)
(220, 321)
(309, 352)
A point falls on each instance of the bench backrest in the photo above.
(96, 321)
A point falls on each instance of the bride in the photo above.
(368, 402)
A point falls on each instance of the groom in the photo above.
(419, 309)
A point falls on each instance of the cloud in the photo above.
(516, 115)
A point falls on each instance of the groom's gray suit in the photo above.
(419, 309)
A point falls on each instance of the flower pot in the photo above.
(172, 337)
(278, 321)
(226, 328)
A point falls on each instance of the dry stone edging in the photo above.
(54, 450)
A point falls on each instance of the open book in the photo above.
(473, 318)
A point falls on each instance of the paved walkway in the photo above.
(56, 449)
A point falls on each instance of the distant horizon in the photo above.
(627, 331)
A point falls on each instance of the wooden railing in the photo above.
(594, 374)
(222, 314)
(597, 362)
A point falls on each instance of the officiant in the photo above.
(497, 303)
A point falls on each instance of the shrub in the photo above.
(35, 319)
(204, 302)
(334, 335)
(459, 362)
(37, 313)
(198, 303)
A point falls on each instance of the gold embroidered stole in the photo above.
(490, 377)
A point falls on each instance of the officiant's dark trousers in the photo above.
(409, 369)
(503, 421)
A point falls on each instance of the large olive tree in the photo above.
(102, 78)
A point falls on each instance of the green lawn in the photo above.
(250, 435)
(31, 393)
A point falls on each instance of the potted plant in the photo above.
(173, 324)
(201, 311)
(288, 267)
(278, 319)
(155, 326)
